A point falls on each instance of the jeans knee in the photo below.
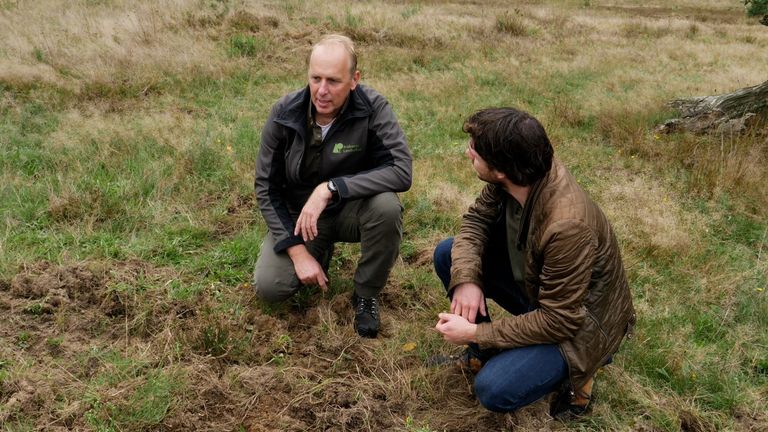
(494, 397)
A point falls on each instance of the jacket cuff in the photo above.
(284, 244)
(484, 335)
(341, 185)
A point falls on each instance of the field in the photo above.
(128, 135)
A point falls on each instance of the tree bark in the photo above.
(734, 112)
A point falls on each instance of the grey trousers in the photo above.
(375, 222)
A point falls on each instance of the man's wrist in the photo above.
(331, 186)
(296, 251)
(473, 333)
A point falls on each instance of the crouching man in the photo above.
(536, 244)
(332, 158)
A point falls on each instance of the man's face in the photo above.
(330, 80)
(484, 172)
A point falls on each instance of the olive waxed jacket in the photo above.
(574, 276)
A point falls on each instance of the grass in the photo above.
(128, 133)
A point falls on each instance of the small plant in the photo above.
(693, 30)
(511, 23)
(23, 340)
(410, 426)
(54, 342)
(242, 45)
(410, 11)
(36, 309)
(214, 340)
(351, 20)
(280, 347)
(3, 371)
(38, 54)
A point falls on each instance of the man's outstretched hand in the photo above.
(306, 225)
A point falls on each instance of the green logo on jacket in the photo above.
(345, 148)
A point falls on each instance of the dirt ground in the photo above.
(82, 341)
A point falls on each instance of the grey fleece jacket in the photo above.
(365, 153)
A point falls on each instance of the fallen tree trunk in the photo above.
(734, 112)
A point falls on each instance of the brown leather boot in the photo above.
(569, 403)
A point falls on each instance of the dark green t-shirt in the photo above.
(516, 257)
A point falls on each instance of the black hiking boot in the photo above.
(366, 316)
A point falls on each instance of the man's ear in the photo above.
(500, 176)
(355, 79)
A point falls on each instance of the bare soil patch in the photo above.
(80, 341)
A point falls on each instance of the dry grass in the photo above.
(648, 216)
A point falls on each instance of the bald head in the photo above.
(334, 42)
(332, 75)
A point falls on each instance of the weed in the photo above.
(281, 348)
(352, 21)
(410, 11)
(24, 340)
(38, 54)
(214, 340)
(54, 342)
(242, 45)
(179, 290)
(34, 309)
(512, 23)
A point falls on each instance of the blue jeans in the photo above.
(515, 377)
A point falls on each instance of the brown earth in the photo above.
(82, 340)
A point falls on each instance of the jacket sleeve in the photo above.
(270, 178)
(393, 168)
(469, 245)
(568, 249)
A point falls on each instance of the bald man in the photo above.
(331, 161)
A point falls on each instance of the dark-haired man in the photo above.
(332, 158)
(536, 244)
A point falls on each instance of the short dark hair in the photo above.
(511, 141)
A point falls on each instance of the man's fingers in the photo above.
(297, 230)
(482, 309)
(465, 312)
(312, 223)
(323, 281)
(307, 231)
(472, 315)
(453, 305)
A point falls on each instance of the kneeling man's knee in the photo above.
(385, 207)
(492, 396)
(270, 289)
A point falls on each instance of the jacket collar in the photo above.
(295, 114)
(530, 202)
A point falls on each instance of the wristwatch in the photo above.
(334, 190)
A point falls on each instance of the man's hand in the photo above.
(468, 299)
(309, 271)
(306, 225)
(455, 329)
